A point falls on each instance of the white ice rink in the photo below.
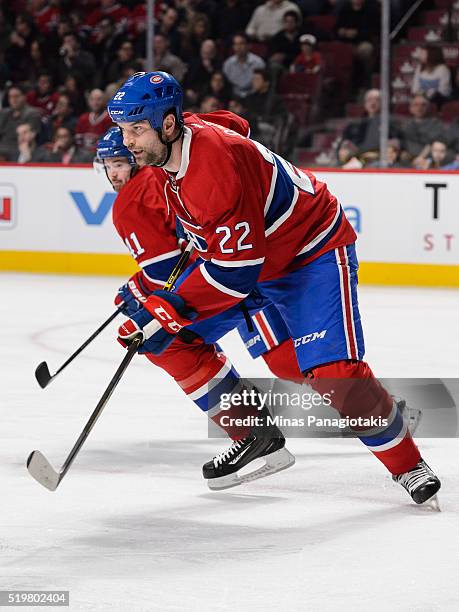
(133, 526)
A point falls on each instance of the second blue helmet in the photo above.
(111, 145)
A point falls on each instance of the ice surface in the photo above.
(133, 526)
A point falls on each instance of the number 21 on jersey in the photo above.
(135, 249)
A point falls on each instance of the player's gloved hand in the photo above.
(160, 318)
(132, 294)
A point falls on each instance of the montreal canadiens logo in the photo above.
(156, 79)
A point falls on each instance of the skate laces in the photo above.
(229, 452)
(415, 477)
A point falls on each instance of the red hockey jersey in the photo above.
(252, 215)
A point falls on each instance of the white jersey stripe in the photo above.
(213, 382)
(260, 331)
(154, 280)
(272, 187)
(351, 309)
(269, 328)
(322, 235)
(218, 286)
(343, 303)
(238, 264)
(285, 216)
(158, 258)
(391, 443)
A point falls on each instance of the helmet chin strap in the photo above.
(168, 145)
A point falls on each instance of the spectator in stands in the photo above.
(106, 39)
(197, 31)
(127, 71)
(285, 45)
(358, 23)
(454, 165)
(200, 69)
(267, 19)
(209, 104)
(65, 151)
(39, 62)
(44, 97)
(266, 106)
(432, 76)
(28, 150)
(421, 130)
(108, 8)
(219, 87)
(232, 16)
(168, 27)
(309, 60)
(74, 88)
(393, 156)
(5, 30)
(167, 61)
(237, 105)
(63, 115)
(239, 68)
(438, 158)
(4, 77)
(19, 112)
(92, 125)
(347, 156)
(75, 62)
(365, 132)
(46, 15)
(125, 56)
(17, 53)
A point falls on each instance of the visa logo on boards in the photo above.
(8, 206)
(96, 215)
(93, 215)
(354, 216)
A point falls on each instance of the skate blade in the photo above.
(433, 503)
(270, 464)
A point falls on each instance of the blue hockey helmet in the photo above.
(111, 145)
(147, 96)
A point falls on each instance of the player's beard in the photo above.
(156, 158)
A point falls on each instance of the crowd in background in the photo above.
(61, 60)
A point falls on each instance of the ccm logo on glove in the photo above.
(136, 292)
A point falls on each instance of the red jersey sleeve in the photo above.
(147, 227)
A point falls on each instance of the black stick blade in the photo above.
(42, 374)
(40, 468)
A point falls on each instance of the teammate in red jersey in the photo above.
(255, 218)
(148, 228)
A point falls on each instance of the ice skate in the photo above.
(420, 482)
(411, 415)
(258, 455)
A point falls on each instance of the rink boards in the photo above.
(58, 220)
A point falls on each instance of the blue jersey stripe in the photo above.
(161, 269)
(237, 279)
(282, 197)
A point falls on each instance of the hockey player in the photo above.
(255, 218)
(148, 229)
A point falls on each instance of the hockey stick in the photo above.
(42, 373)
(37, 464)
